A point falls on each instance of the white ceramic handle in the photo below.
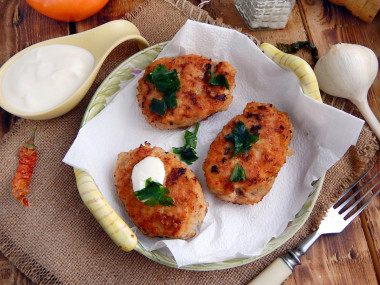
(369, 116)
(274, 274)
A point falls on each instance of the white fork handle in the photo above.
(274, 274)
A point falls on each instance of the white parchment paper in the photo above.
(322, 135)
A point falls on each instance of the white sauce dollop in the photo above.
(149, 167)
(45, 77)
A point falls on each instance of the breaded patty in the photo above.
(179, 221)
(196, 98)
(261, 163)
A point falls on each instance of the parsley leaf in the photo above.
(164, 80)
(158, 106)
(171, 100)
(242, 138)
(187, 152)
(167, 82)
(191, 137)
(238, 173)
(153, 194)
(218, 80)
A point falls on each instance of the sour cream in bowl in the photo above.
(45, 77)
(40, 83)
(48, 79)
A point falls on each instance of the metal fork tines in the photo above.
(345, 206)
(351, 203)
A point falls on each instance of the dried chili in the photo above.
(23, 176)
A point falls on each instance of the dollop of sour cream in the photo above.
(45, 77)
(149, 167)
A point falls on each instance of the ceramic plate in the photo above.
(116, 80)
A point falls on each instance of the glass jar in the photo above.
(265, 14)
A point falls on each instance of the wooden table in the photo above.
(351, 257)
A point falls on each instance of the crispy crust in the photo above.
(173, 222)
(262, 162)
(196, 99)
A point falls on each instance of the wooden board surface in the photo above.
(348, 258)
(330, 24)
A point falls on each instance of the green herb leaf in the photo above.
(291, 48)
(158, 106)
(241, 138)
(165, 81)
(187, 152)
(238, 173)
(153, 194)
(191, 137)
(171, 100)
(218, 80)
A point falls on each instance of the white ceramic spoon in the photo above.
(99, 41)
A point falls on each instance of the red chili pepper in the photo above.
(23, 176)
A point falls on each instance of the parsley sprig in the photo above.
(167, 82)
(241, 138)
(187, 152)
(154, 193)
(218, 80)
(238, 173)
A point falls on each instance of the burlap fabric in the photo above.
(57, 241)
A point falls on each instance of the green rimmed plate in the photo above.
(123, 74)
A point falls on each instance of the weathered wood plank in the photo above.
(329, 24)
(337, 259)
(22, 26)
(371, 224)
(114, 10)
(294, 30)
(10, 275)
(227, 12)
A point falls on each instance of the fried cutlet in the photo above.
(261, 163)
(179, 221)
(196, 98)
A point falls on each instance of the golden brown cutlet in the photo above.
(261, 163)
(179, 221)
(196, 99)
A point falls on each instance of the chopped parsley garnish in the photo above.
(167, 82)
(187, 152)
(241, 138)
(238, 173)
(218, 80)
(171, 100)
(154, 193)
(158, 106)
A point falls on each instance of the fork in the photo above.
(336, 220)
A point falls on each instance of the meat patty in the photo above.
(179, 221)
(196, 99)
(261, 163)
